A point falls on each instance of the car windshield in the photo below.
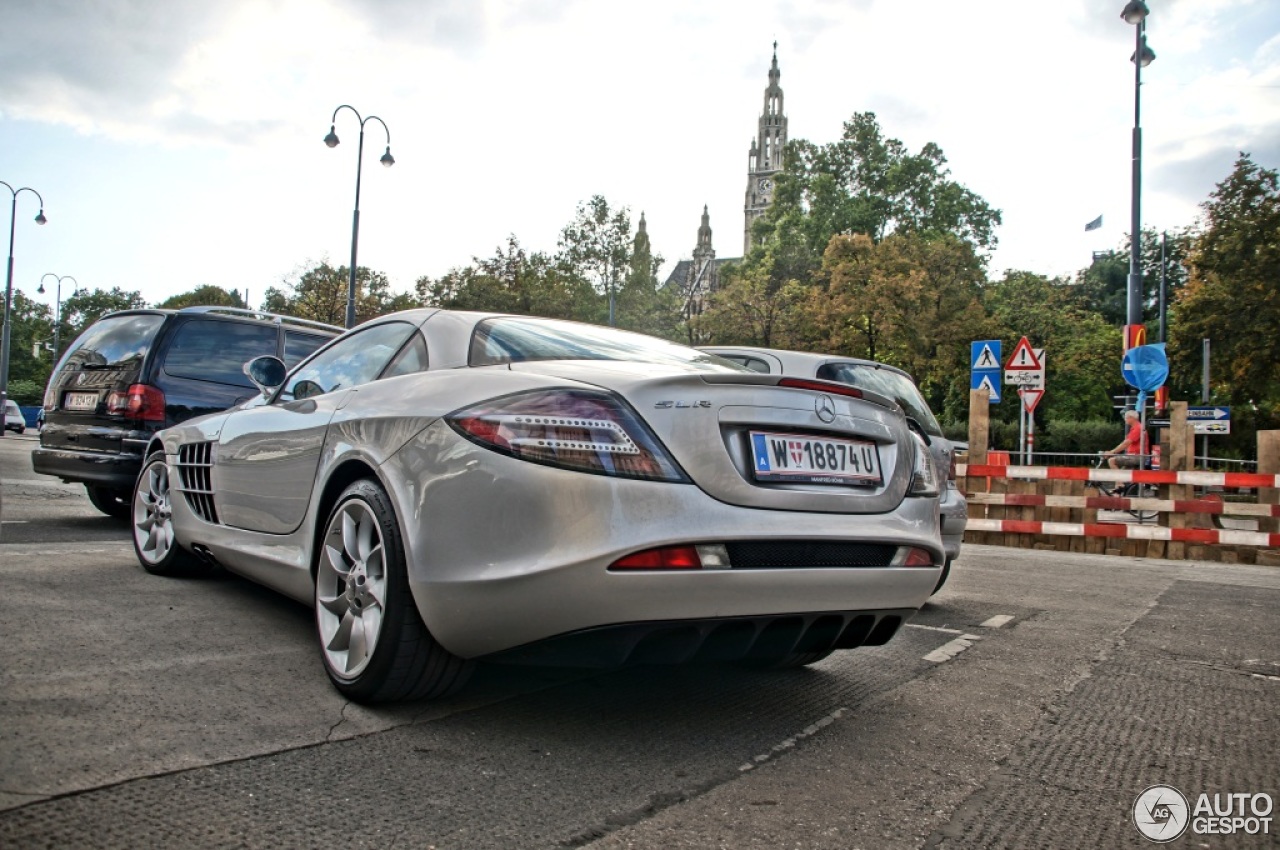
(886, 382)
(514, 340)
(114, 341)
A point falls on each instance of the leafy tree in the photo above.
(320, 294)
(641, 304)
(514, 281)
(1105, 283)
(752, 307)
(597, 244)
(206, 295)
(1082, 368)
(30, 342)
(87, 306)
(1232, 296)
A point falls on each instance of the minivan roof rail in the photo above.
(278, 318)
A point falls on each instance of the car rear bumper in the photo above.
(99, 469)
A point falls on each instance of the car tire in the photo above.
(112, 502)
(151, 517)
(374, 644)
(942, 579)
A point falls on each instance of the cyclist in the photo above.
(1130, 453)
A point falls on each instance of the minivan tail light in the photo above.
(141, 401)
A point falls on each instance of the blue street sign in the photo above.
(984, 355)
(1145, 367)
(988, 380)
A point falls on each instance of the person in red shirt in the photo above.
(1130, 453)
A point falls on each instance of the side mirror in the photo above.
(267, 373)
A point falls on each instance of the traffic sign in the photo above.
(1210, 420)
(1030, 398)
(984, 355)
(1031, 378)
(1023, 358)
(1145, 367)
(985, 381)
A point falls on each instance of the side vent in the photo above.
(195, 462)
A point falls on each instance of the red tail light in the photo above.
(141, 401)
(667, 558)
(829, 387)
(582, 430)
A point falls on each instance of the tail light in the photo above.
(910, 556)
(924, 476)
(829, 387)
(140, 401)
(582, 430)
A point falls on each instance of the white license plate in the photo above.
(80, 401)
(814, 460)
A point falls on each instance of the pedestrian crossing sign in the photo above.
(984, 355)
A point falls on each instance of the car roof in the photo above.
(800, 359)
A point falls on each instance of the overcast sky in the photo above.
(179, 142)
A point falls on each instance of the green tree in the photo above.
(87, 306)
(753, 307)
(642, 305)
(1232, 296)
(1105, 283)
(206, 295)
(597, 244)
(320, 294)
(30, 347)
(514, 281)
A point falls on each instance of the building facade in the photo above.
(765, 158)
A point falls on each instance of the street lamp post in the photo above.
(57, 307)
(387, 160)
(1135, 13)
(8, 291)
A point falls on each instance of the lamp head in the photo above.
(332, 139)
(40, 288)
(1147, 55)
(40, 219)
(1134, 12)
(387, 159)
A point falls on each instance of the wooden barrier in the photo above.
(1056, 508)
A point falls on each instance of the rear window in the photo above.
(508, 340)
(210, 350)
(298, 346)
(886, 382)
(114, 342)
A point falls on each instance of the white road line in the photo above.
(935, 629)
(997, 621)
(951, 648)
(811, 729)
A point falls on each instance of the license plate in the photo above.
(814, 460)
(80, 401)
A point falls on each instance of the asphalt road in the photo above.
(1026, 706)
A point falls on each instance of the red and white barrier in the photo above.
(1124, 531)
(1121, 503)
(1125, 476)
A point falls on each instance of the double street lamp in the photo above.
(57, 307)
(8, 291)
(387, 160)
(1135, 13)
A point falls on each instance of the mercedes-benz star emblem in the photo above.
(826, 408)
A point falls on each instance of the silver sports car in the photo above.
(447, 487)
(887, 380)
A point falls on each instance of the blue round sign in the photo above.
(1145, 367)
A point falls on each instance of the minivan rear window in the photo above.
(298, 346)
(210, 350)
(114, 342)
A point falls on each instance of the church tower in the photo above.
(765, 158)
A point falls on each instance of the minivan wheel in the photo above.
(152, 518)
(112, 502)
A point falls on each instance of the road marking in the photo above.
(789, 743)
(951, 649)
(997, 621)
(935, 629)
(13, 522)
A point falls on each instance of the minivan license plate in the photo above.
(814, 460)
(80, 401)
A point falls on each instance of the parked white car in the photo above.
(13, 419)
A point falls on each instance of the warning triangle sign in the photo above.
(1030, 398)
(993, 389)
(1023, 357)
(986, 359)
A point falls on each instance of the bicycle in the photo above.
(1128, 490)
